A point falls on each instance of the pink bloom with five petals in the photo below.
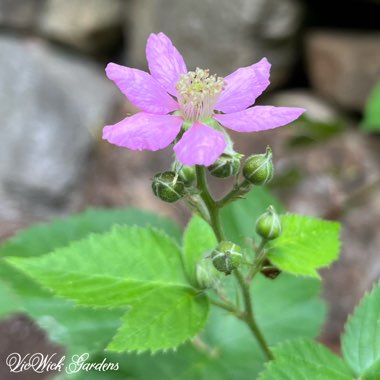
(170, 95)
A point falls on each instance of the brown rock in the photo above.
(344, 66)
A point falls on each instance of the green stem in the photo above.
(196, 204)
(230, 308)
(249, 316)
(241, 189)
(209, 202)
(261, 255)
(215, 222)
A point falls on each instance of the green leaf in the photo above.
(127, 266)
(161, 320)
(371, 121)
(10, 302)
(310, 131)
(45, 237)
(198, 240)
(305, 245)
(302, 359)
(361, 338)
(373, 372)
(127, 263)
(280, 303)
(80, 329)
(227, 349)
(186, 363)
(279, 306)
(239, 217)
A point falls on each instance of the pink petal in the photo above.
(259, 118)
(144, 131)
(243, 87)
(200, 145)
(165, 62)
(141, 89)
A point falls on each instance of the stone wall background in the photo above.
(55, 98)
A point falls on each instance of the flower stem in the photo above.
(209, 202)
(227, 307)
(238, 191)
(249, 316)
(261, 255)
(215, 222)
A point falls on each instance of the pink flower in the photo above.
(171, 98)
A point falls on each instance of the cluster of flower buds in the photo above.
(170, 186)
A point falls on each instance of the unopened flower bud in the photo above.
(268, 225)
(226, 257)
(258, 169)
(168, 187)
(225, 166)
(206, 274)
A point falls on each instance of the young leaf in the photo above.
(198, 239)
(302, 359)
(127, 266)
(361, 339)
(305, 245)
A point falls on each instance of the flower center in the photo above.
(198, 92)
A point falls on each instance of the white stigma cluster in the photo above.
(198, 92)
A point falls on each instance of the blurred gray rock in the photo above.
(344, 66)
(52, 105)
(89, 25)
(21, 14)
(221, 35)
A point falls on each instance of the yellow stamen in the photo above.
(198, 92)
